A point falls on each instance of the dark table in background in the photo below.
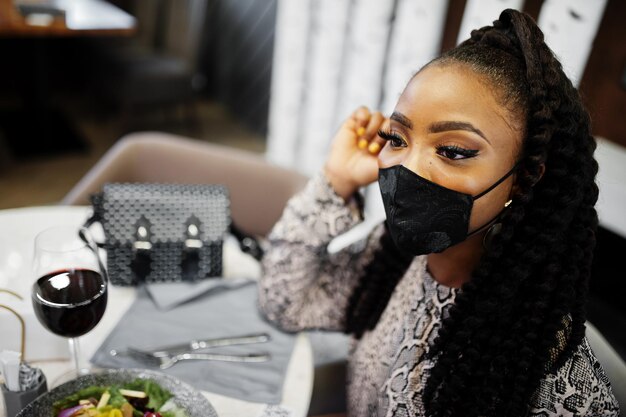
(37, 126)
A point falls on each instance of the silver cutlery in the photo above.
(194, 345)
(168, 360)
(167, 356)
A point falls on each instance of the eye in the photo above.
(456, 152)
(393, 138)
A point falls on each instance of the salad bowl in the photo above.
(184, 395)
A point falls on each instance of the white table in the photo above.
(18, 227)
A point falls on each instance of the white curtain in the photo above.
(322, 75)
(570, 26)
(288, 80)
(479, 13)
(415, 40)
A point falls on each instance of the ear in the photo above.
(515, 187)
(542, 170)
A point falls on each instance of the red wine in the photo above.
(70, 302)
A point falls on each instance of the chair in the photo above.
(158, 69)
(258, 190)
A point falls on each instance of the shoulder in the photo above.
(319, 191)
(578, 388)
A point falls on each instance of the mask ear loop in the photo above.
(500, 181)
(508, 203)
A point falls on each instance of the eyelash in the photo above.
(396, 141)
(453, 149)
(392, 137)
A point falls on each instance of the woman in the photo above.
(470, 299)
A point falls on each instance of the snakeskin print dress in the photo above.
(304, 287)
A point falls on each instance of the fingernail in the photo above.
(362, 144)
(360, 131)
(374, 147)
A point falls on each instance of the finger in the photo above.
(374, 123)
(350, 124)
(371, 132)
(377, 143)
(362, 114)
(361, 117)
(348, 132)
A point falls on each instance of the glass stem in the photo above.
(75, 352)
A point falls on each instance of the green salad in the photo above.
(138, 398)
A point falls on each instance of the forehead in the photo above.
(454, 92)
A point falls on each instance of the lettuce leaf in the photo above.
(157, 396)
(72, 400)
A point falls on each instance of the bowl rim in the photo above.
(133, 373)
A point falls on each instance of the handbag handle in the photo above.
(247, 243)
(85, 236)
(140, 265)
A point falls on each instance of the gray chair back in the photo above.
(258, 189)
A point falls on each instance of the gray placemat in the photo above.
(225, 313)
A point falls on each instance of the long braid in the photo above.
(544, 268)
(371, 296)
(523, 311)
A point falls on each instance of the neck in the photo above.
(453, 267)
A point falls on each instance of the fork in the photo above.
(165, 361)
(194, 345)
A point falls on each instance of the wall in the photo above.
(237, 57)
(603, 85)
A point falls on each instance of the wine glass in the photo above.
(69, 291)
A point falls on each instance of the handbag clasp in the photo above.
(192, 233)
(142, 235)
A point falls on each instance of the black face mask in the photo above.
(424, 217)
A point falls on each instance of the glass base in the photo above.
(70, 375)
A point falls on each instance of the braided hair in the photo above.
(522, 313)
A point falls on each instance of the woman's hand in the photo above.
(353, 159)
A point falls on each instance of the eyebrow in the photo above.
(402, 119)
(446, 126)
(439, 127)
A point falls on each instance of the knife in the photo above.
(194, 345)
